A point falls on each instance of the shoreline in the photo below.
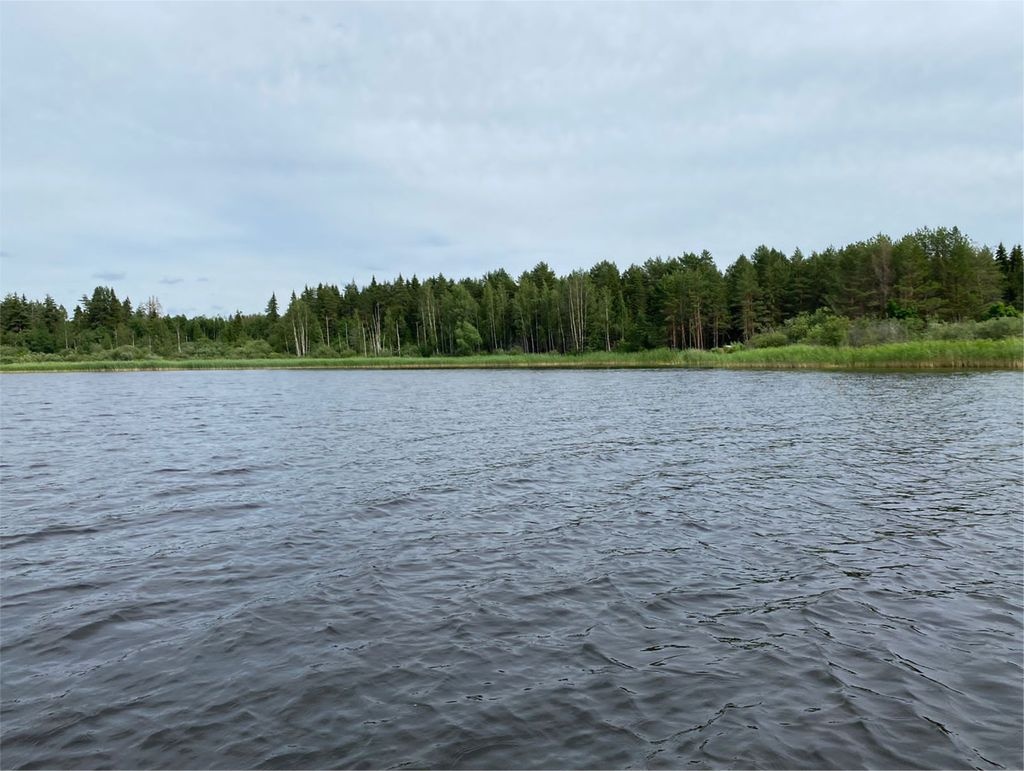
(1006, 354)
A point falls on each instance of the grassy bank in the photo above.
(931, 354)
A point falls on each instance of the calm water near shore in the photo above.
(511, 569)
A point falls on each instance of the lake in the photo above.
(512, 569)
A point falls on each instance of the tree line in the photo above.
(679, 302)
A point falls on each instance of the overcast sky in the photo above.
(210, 154)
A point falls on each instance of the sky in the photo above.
(210, 154)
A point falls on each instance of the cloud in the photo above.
(293, 144)
(432, 241)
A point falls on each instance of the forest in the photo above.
(875, 291)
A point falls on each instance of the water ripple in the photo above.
(511, 570)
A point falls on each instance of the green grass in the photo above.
(927, 354)
(922, 354)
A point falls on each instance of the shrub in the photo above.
(829, 331)
(819, 328)
(768, 340)
(963, 330)
(254, 349)
(999, 327)
(895, 310)
(323, 351)
(467, 339)
(999, 310)
(11, 353)
(204, 349)
(797, 328)
(122, 353)
(878, 332)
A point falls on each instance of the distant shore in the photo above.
(933, 354)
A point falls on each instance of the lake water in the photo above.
(466, 569)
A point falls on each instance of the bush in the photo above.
(798, 327)
(203, 349)
(41, 341)
(819, 328)
(895, 310)
(768, 340)
(938, 330)
(830, 331)
(999, 327)
(11, 353)
(323, 351)
(999, 310)
(122, 353)
(879, 332)
(467, 339)
(254, 349)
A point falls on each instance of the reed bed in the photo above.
(924, 354)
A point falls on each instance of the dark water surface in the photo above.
(618, 569)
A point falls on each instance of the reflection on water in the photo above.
(511, 570)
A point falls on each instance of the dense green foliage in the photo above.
(929, 285)
(927, 354)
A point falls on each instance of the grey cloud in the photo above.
(432, 241)
(384, 138)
